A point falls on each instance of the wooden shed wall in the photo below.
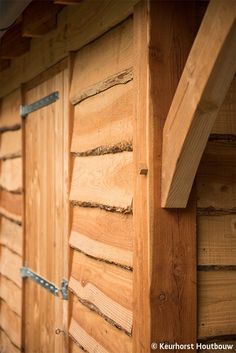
(216, 225)
(101, 193)
(11, 234)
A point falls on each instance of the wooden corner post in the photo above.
(165, 241)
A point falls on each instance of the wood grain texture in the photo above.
(225, 122)
(10, 322)
(10, 265)
(104, 119)
(10, 144)
(217, 240)
(46, 214)
(95, 334)
(217, 298)
(77, 26)
(11, 294)
(108, 55)
(104, 235)
(105, 288)
(9, 113)
(11, 205)
(209, 70)
(11, 174)
(216, 178)
(105, 180)
(165, 242)
(11, 235)
(6, 346)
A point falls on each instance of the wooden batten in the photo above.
(92, 332)
(217, 298)
(165, 242)
(103, 180)
(13, 44)
(206, 78)
(103, 63)
(39, 18)
(11, 174)
(104, 120)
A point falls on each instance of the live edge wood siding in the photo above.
(216, 224)
(101, 193)
(11, 234)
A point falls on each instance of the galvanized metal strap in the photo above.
(28, 273)
(27, 109)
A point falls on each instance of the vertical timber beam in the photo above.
(165, 240)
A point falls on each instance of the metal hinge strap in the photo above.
(27, 109)
(28, 273)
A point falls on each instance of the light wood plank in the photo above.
(104, 119)
(207, 75)
(10, 322)
(10, 144)
(105, 57)
(6, 346)
(217, 240)
(9, 113)
(216, 177)
(11, 205)
(11, 174)
(11, 294)
(11, 235)
(105, 287)
(165, 242)
(91, 233)
(46, 212)
(105, 180)
(217, 303)
(96, 334)
(10, 265)
(225, 122)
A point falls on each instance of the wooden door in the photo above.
(46, 215)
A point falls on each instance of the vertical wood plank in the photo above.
(165, 246)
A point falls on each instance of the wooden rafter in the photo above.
(13, 44)
(39, 18)
(202, 88)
